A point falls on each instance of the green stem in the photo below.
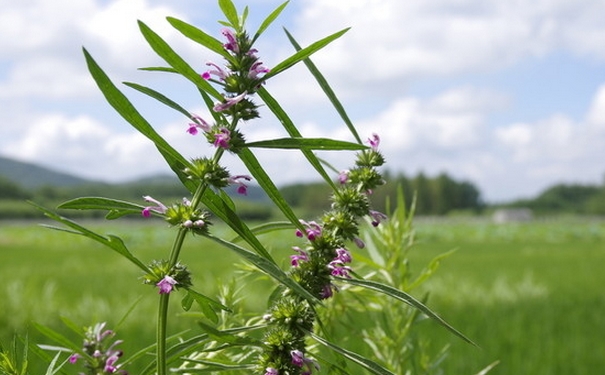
(161, 334)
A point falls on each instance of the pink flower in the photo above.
(343, 177)
(271, 371)
(230, 102)
(374, 141)
(231, 44)
(256, 69)
(74, 358)
(312, 230)
(242, 188)
(377, 217)
(159, 207)
(166, 285)
(222, 138)
(302, 256)
(198, 122)
(217, 71)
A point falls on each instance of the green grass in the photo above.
(529, 294)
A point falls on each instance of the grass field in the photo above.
(530, 295)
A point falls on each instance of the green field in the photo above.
(530, 295)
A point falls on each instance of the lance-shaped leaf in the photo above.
(230, 12)
(268, 228)
(323, 83)
(369, 365)
(206, 304)
(199, 36)
(304, 53)
(125, 108)
(269, 20)
(116, 208)
(268, 267)
(113, 242)
(159, 97)
(325, 144)
(222, 209)
(289, 126)
(408, 299)
(268, 186)
(174, 60)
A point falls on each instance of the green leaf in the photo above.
(304, 53)
(323, 83)
(307, 143)
(230, 12)
(125, 108)
(268, 186)
(159, 97)
(268, 267)
(408, 299)
(287, 123)
(223, 211)
(269, 20)
(58, 338)
(199, 36)
(228, 337)
(174, 60)
(268, 228)
(111, 241)
(362, 361)
(206, 304)
(212, 367)
(98, 203)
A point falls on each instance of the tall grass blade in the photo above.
(323, 83)
(408, 299)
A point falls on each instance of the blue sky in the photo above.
(507, 94)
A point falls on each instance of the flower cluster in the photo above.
(99, 353)
(166, 277)
(323, 257)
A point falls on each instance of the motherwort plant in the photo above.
(323, 250)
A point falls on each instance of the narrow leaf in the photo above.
(289, 126)
(100, 203)
(325, 144)
(159, 97)
(269, 20)
(125, 108)
(304, 53)
(408, 299)
(268, 186)
(174, 60)
(113, 242)
(223, 211)
(362, 361)
(230, 13)
(268, 228)
(199, 36)
(323, 83)
(269, 268)
(58, 338)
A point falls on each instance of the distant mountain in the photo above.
(32, 176)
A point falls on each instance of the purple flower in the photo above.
(74, 358)
(343, 255)
(298, 359)
(222, 138)
(271, 371)
(217, 71)
(230, 102)
(166, 284)
(231, 44)
(377, 217)
(242, 188)
(312, 230)
(328, 291)
(256, 69)
(159, 207)
(302, 256)
(374, 141)
(358, 241)
(339, 269)
(343, 177)
(198, 122)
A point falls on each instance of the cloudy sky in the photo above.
(508, 94)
